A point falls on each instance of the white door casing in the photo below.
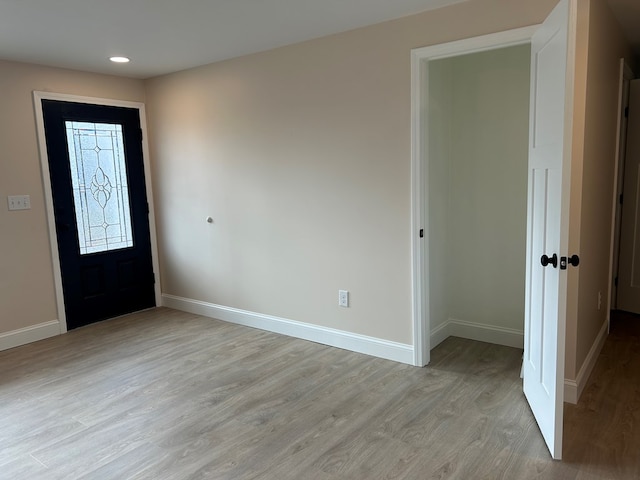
(628, 297)
(420, 58)
(626, 75)
(552, 63)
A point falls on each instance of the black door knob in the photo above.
(552, 260)
(572, 260)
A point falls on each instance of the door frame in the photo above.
(626, 75)
(38, 96)
(420, 58)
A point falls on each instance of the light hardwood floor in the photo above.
(169, 395)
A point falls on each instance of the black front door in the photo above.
(101, 210)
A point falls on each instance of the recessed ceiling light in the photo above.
(119, 59)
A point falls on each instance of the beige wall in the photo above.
(479, 123)
(26, 275)
(302, 157)
(593, 174)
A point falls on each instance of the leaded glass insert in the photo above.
(100, 187)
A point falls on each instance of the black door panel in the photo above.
(100, 207)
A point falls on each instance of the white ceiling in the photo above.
(163, 36)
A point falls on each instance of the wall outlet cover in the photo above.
(343, 298)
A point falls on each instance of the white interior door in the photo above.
(547, 222)
(629, 263)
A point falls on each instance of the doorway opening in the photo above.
(624, 278)
(478, 130)
(432, 132)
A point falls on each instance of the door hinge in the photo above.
(621, 195)
(615, 281)
(421, 232)
(626, 112)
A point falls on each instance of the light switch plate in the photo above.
(19, 202)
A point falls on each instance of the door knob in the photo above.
(572, 260)
(553, 260)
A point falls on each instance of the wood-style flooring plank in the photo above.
(163, 394)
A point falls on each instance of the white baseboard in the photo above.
(22, 336)
(439, 334)
(571, 391)
(573, 388)
(376, 347)
(477, 331)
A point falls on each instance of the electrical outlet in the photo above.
(343, 298)
(599, 300)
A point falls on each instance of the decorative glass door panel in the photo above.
(100, 186)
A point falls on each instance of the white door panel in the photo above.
(547, 220)
(629, 266)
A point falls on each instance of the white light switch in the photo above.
(19, 202)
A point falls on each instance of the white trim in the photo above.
(146, 158)
(574, 388)
(626, 75)
(48, 197)
(420, 57)
(570, 391)
(508, 337)
(419, 207)
(376, 347)
(481, 332)
(565, 214)
(34, 333)
(492, 41)
(440, 334)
